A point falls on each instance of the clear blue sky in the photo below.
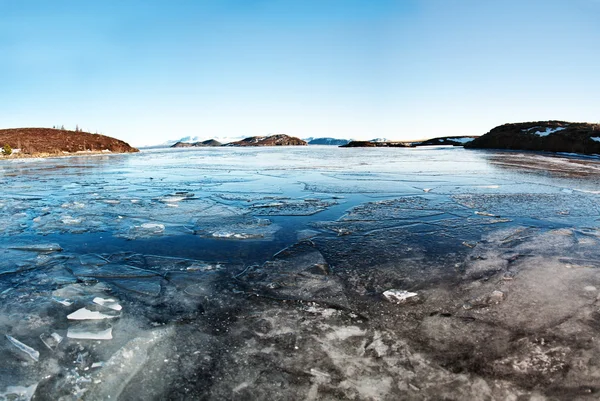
(147, 71)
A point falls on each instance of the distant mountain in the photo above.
(208, 142)
(193, 139)
(327, 141)
(273, 140)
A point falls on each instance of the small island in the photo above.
(272, 140)
(549, 136)
(202, 144)
(39, 142)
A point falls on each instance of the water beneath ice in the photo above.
(255, 273)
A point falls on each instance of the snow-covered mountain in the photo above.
(194, 139)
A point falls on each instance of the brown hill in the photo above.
(273, 140)
(34, 141)
(550, 136)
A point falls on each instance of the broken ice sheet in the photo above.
(33, 354)
(86, 314)
(108, 303)
(18, 393)
(238, 228)
(530, 205)
(305, 207)
(409, 207)
(143, 230)
(51, 340)
(89, 331)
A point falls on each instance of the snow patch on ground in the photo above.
(548, 131)
(462, 140)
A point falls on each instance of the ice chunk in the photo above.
(35, 355)
(398, 296)
(70, 220)
(51, 340)
(86, 314)
(144, 230)
(87, 332)
(63, 301)
(18, 393)
(108, 302)
(38, 247)
(232, 235)
(97, 364)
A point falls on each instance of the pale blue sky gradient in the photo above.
(148, 71)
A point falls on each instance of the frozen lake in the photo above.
(259, 273)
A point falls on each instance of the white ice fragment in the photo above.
(97, 365)
(134, 200)
(51, 340)
(63, 301)
(172, 199)
(229, 234)
(87, 334)
(35, 355)
(108, 302)
(172, 205)
(319, 374)
(153, 227)
(486, 214)
(427, 189)
(398, 296)
(112, 201)
(86, 314)
(69, 220)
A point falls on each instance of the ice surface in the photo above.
(298, 295)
